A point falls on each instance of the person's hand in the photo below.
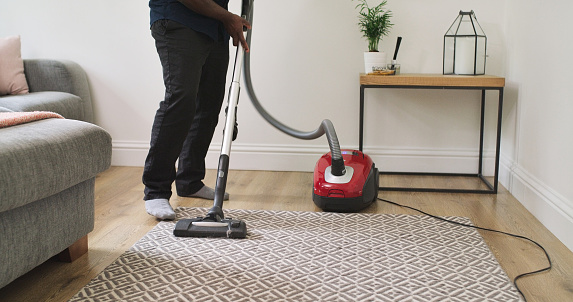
(234, 26)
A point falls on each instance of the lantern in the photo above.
(465, 46)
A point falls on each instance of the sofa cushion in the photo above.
(60, 75)
(45, 157)
(2, 109)
(66, 104)
(12, 78)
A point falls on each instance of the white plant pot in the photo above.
(374, 61)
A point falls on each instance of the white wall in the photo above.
(538, 140)
(306, 57)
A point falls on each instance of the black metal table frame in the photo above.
(492, 189)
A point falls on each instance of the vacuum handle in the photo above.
(246, 8)
(246, 11)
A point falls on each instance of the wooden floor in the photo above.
(121, 220)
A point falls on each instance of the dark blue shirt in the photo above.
(176, 11)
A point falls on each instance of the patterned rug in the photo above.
(308, 256)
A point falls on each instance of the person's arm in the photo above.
(233, 23)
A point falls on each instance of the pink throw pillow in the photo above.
(12, 78)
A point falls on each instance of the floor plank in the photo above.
(121, 220)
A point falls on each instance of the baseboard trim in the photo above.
(304, 157)
(129, 153)
(549, 207)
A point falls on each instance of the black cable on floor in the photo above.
(489, 230)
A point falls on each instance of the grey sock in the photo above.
(207, 193)
(160, 208)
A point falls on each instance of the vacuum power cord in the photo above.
(550, 265)
(326, 127)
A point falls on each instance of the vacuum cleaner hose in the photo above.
(326, 127)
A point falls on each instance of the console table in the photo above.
(439, 81)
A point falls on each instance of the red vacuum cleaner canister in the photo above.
(351, 192)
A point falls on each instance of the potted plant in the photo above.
(374, 25)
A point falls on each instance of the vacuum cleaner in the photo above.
(350, 192)
(344, 180)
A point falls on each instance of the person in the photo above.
(192, 41)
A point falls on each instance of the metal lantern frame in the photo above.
(465, 46)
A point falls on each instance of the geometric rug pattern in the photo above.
(308, 256)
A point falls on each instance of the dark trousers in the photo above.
(194, 74)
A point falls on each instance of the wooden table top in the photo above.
(426, 79)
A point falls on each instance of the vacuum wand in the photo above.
(216, 212)
(229, 135)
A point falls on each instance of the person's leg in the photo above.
(182, 53)
(191, 170)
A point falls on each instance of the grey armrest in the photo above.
(59, 75)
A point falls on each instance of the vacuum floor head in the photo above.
(199, 227)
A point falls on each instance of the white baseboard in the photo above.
(553, 210)
(129, 153)
(244, 156)
(431, 160)
(304, 157)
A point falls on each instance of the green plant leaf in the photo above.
(374, 22)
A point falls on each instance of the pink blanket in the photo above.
(14, 118)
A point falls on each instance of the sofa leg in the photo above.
(74, 251)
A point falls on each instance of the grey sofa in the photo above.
(48, 169)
